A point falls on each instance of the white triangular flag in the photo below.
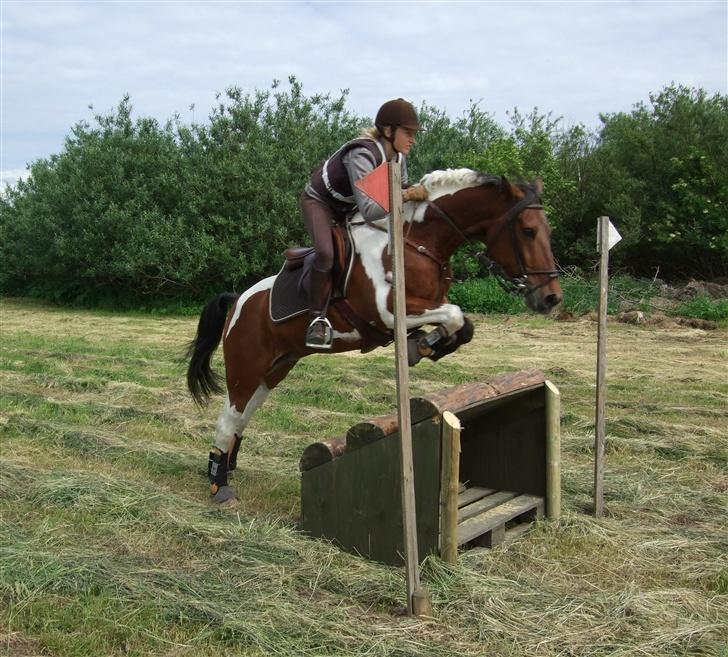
(612, 238)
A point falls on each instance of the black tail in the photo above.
(201, 380)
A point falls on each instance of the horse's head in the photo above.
(519, 240)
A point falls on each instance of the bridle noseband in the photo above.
(516, 284)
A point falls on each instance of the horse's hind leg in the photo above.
(232, 422)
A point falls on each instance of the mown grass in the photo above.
(109, 544)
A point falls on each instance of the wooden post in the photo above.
(449, 484)
(599, 425)
(418, 599)
(553, 451)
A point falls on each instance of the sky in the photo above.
(575, 59)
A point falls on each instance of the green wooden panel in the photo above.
(505, 448)
(355, 500)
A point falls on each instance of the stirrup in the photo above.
(324, 341)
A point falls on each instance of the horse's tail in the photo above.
(201, 380)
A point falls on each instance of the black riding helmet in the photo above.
(396, 113)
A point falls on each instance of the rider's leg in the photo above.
(318, 218)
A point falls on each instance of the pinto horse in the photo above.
(463, 205)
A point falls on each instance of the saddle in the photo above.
(289, 296)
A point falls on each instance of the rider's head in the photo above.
(398, 124)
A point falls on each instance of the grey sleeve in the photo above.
(405, 180)
(358, 163)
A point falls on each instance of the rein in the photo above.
(517, 285)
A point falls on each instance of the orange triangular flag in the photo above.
(376, 185)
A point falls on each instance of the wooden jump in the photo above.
(486, 464)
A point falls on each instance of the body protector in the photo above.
(331, 181)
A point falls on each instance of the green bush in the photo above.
(703, 307)
(485, 295)
(134, 212)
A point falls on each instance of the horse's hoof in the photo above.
(225, 494)
(414, 355)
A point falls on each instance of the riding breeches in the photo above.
(319, 218)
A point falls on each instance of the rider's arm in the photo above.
(359, 163)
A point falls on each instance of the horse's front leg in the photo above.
(453, 329)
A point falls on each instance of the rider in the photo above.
(331, 196)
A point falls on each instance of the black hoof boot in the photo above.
(217, 471)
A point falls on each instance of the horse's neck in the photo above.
(467, 209)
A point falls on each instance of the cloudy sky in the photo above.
(573, 58)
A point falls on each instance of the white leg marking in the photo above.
(448, 315)
(232, 421)
(265, 284)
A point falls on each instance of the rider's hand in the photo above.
(414, 193)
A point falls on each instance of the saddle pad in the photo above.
(289, 296)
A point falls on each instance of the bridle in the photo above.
(518, 284)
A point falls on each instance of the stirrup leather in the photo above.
(320, 342)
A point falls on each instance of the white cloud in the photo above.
(576, 59)
(11, 177)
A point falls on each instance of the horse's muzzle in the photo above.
(545, 303)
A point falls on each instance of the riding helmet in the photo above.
(397, 112)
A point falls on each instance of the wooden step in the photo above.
(486, 503)
(489, 526)
(470, 495)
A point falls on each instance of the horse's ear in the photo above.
(538, 186)
(505, 187)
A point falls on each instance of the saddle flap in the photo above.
(289, 296)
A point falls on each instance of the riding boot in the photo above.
(319, 334)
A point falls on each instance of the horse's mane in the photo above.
(449, 181)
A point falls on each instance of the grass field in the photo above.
(109, 544)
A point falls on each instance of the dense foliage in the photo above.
(132, 209)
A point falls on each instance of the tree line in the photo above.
(132, 208)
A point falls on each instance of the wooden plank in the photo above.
(485, 504)
(499, 516)
(470, 495)
(449, 485)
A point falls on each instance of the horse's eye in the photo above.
(529, 232)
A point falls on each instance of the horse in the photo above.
(463, 206)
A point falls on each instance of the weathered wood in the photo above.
(449, 486)
(485, 504)
(601, 367)
(322, 452)
(457, 399)
(470, 495)
(499, 516)
(365, 433)
(553, 451)
(396, 234)
(461, 398)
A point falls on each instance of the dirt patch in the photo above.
(693, 289)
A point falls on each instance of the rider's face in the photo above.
(404, 139)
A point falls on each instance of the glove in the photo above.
(414, 193)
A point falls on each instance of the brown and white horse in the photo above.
(464, 205)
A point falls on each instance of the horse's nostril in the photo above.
(552, 300)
